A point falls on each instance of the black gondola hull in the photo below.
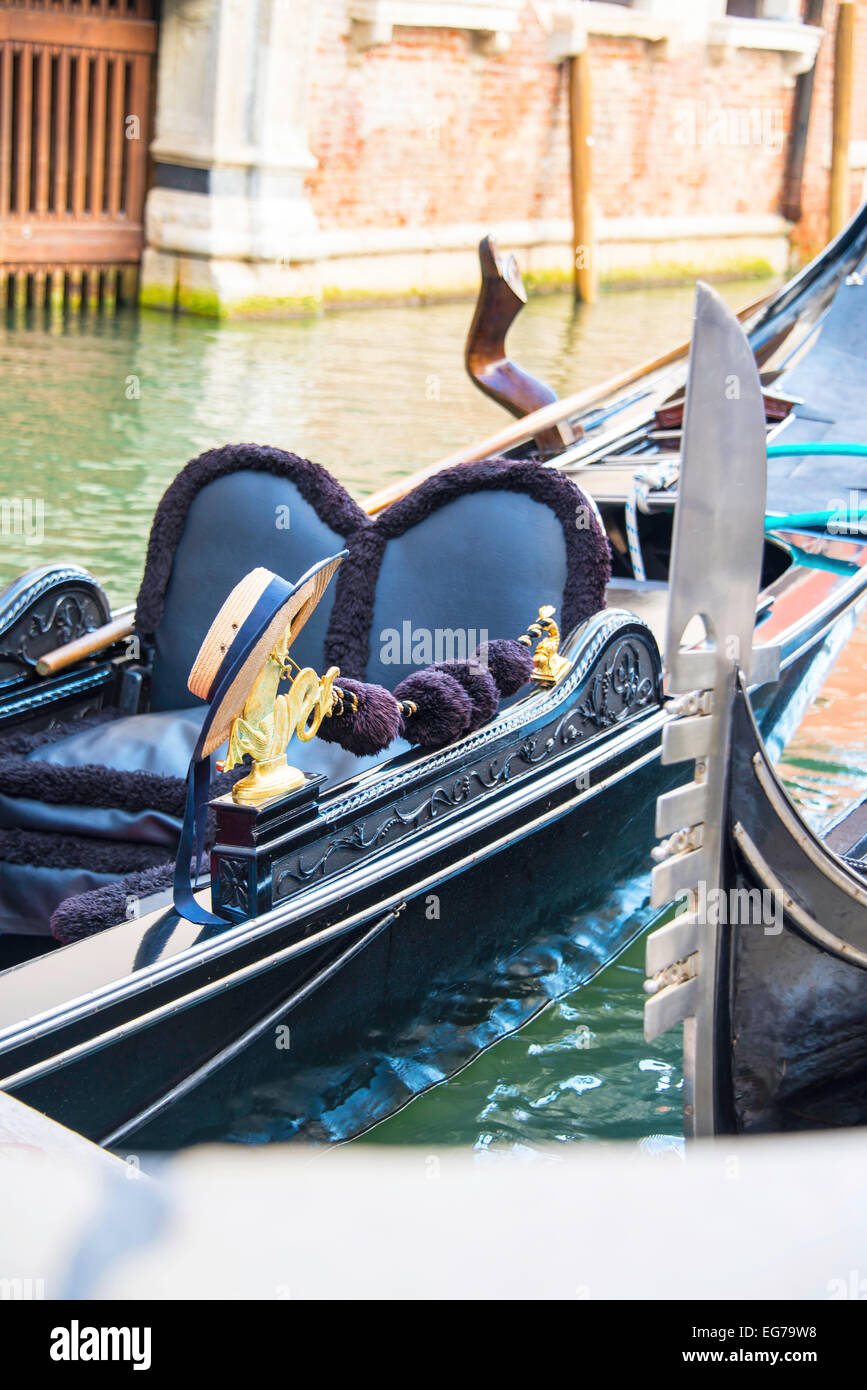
(792, 981)
(458, 916)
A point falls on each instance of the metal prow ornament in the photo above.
(265, 726)
(501, 298)
(715, 575)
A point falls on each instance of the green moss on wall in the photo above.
(206, 303)
(659, 273)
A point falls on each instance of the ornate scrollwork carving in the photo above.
(618, 689)
(233, 885)
(47, 609)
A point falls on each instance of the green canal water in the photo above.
(97, 416)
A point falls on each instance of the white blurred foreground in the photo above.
(759, 1218)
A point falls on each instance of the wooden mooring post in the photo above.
(844, 49)
(584, 268)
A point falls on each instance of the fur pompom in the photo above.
(443, 711)
(509, 663)
(479, 685)
(87, 913)
(370, 720)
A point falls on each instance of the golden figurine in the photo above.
(548, 666)
(268, 720)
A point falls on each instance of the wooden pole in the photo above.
(580, 147)
(793, 184)
(844, 48)
(89, 645)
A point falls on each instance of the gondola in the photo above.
(333, 910)
(765, 958)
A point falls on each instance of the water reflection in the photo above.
(578, 1071)
(824, 765)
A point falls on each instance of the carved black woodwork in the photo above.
(265, 855)
(40, 611)
(44, 609)
(248, 839)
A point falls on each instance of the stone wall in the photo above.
(327, 152)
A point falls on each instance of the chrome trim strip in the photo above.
(225, 1054)
(818, 853)
(257, 967)
(828, 941)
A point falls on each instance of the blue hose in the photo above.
(817, 521)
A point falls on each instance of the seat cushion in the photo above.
(471, 553)
(29, 894)
(227, 512)
(160, 743)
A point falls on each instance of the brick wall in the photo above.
(427, 131)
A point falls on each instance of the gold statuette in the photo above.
(548, 666)
(268, 720)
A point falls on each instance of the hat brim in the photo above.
(295, 609)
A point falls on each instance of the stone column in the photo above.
(228, 213)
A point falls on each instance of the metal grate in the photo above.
(75, 93)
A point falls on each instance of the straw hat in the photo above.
(220, 660)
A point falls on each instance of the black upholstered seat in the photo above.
(469, 554)
(228, 511)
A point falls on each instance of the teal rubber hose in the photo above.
(816, 521)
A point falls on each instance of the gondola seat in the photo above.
(470, 553)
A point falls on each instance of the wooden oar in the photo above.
(529, 425)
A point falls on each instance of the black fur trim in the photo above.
(92, 785)
(588, 560)
(347, 642)
(25, 742)
(331, 502)
(88, 913)
(111, 788)
(45, 849)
